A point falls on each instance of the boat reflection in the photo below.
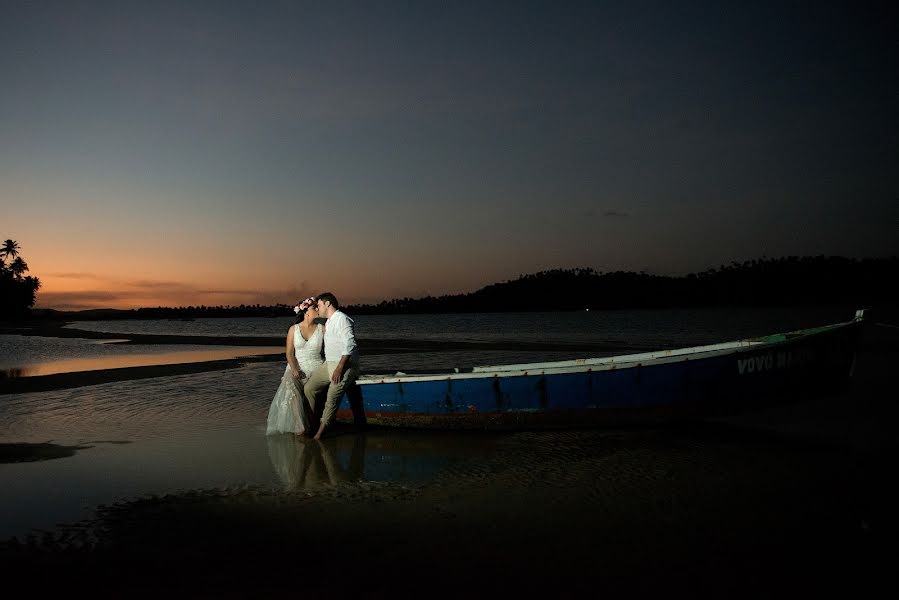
(302, 463)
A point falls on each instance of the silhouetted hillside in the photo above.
(782, 281)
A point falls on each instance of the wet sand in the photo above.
(633, 513)
(795, 501)
(24, 452)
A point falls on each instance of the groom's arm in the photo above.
(338, 370)
(347, 337)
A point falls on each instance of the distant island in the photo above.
(788, 281)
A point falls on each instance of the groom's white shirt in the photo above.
(340, 340)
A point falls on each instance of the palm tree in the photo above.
(10, 249)
(18, 267)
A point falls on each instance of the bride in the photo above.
(288, 412)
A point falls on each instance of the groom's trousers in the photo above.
(320, 380)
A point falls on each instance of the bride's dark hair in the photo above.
(300, 316)
(301, 308)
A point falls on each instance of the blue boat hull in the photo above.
(704, 383)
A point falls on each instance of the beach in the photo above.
(792, 500)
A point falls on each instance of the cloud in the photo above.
(131, 283)
(77, 276)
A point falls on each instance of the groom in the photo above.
(341, 366)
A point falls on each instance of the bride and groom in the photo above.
(311, 388)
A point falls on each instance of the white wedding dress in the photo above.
(286, 414)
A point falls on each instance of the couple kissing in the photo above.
(322, 365)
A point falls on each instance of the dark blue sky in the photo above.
(208, 152)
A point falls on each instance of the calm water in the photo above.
(26, 356)
(169, 434)
(206, 430)
(628, 328)
(621, 331)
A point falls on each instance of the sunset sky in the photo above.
(212, 153)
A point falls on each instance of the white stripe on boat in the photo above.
(623, 361)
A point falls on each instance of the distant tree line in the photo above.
(243, 310)
(177, 312)
(766, 282)
(17, 290)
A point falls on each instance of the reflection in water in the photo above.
(136, 360)
(302, 463)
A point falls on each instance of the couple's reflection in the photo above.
(303, 463)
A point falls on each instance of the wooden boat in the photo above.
(702, 380)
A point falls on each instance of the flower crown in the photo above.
(304, 305)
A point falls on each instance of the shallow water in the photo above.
(24, 356)
(199, 431)
(615, 331)
(114, 358)
(789, 501)
(626, 328)
(206, 430)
